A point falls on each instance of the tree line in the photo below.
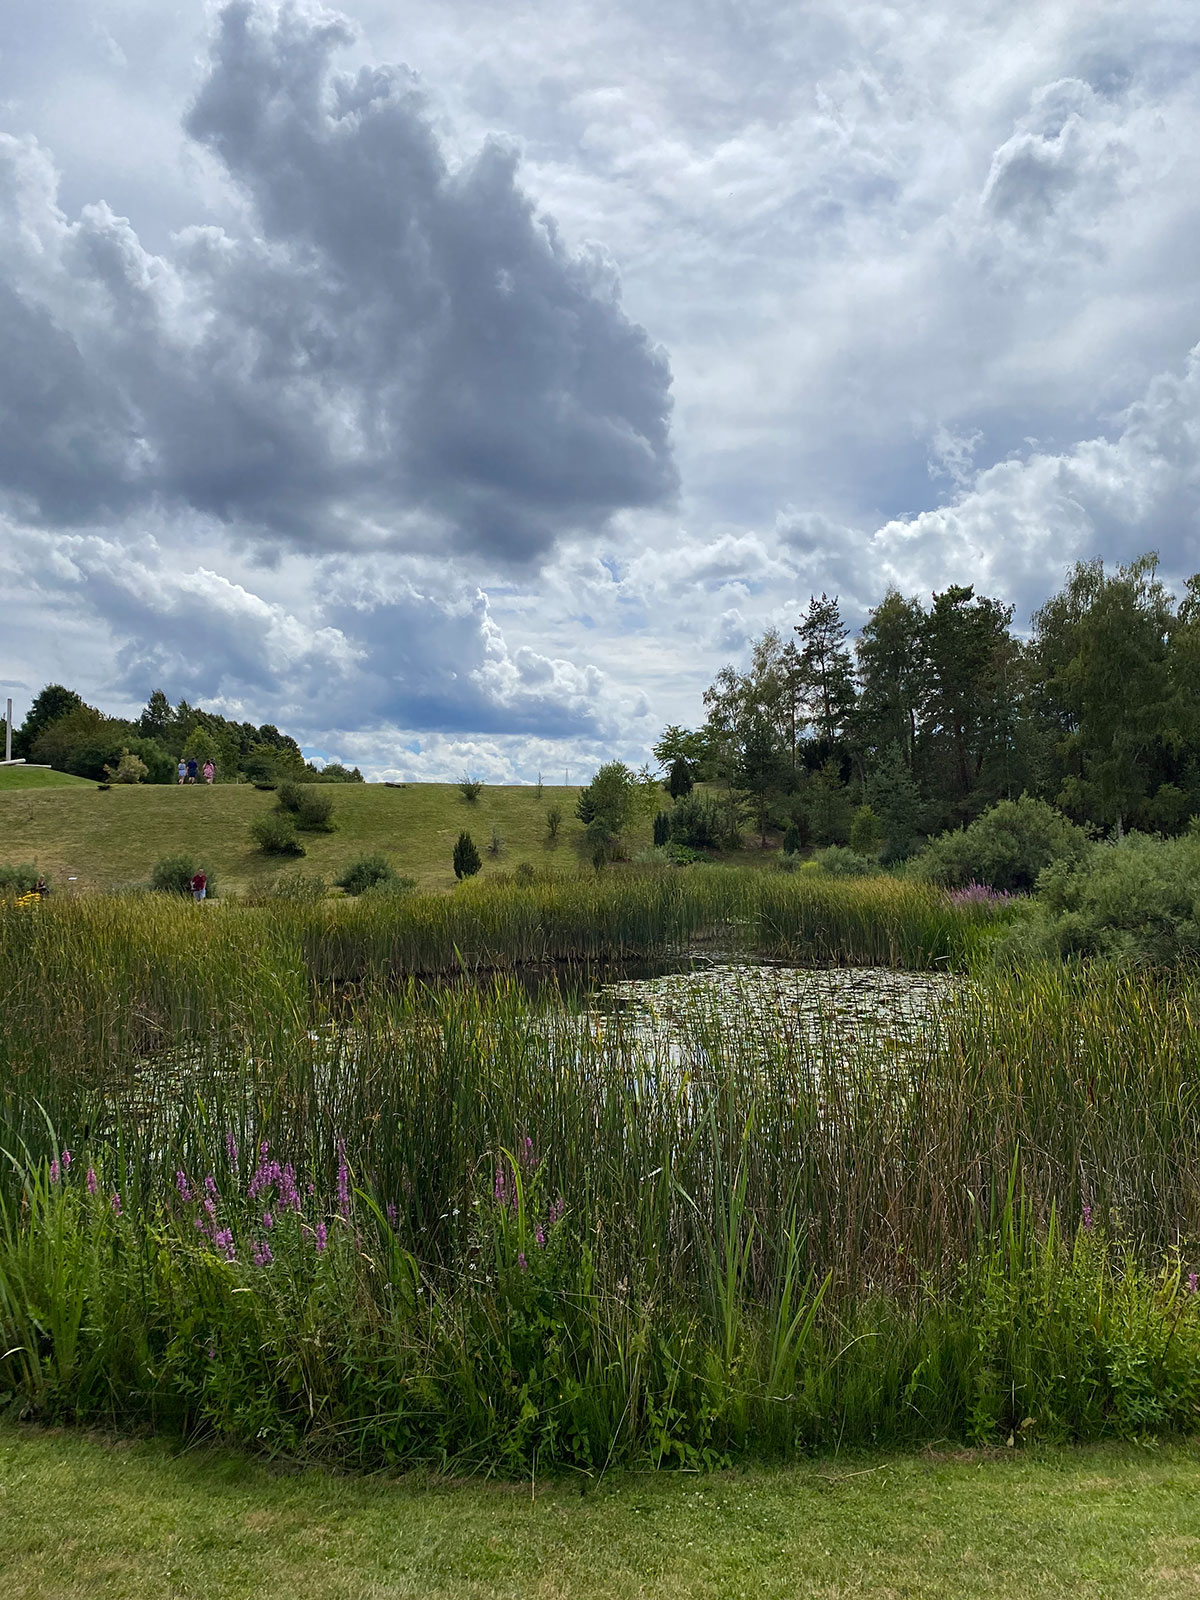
(62, 731)
(935, 712)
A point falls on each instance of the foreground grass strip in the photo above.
(81, 1516)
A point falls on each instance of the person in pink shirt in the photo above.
(210, 771)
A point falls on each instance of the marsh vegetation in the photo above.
(264, 1182)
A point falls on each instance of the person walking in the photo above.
(200, 886)
(181, 770)
(210, 771)
(191, 769)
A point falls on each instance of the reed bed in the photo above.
(456, 1225)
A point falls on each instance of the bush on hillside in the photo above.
(1006, 847)
(275, 834)
(553, 821)
(314, 814)
(1135, 899)
(697, 822)
(840, 862)
(18, 879)
(129, 769)
(365, 873)
(662, 828)
(174, 874)
(470, 788)
(289, 795)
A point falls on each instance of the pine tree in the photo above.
(467, 860)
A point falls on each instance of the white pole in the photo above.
(8, 733)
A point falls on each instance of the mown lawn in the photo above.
(81, 1516)
(12, 778)
(104, 839)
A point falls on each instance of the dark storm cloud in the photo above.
(394, 352)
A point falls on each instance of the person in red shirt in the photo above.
(199, 886)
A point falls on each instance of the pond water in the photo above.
(827, 1012)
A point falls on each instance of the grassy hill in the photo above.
(38, 778)
(103, 839)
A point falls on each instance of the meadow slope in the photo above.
(104, 839)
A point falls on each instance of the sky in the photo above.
(459, 386)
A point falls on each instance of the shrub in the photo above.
(697, 822)
(174, 874)
(365, 873)
(470, 788)
(553, 821)
(467, 860)
(525, 874)
(495, 843)
(129, 769)
(1136, 899)
(1006, 847)
(18, 879)
(290, 796)
(796, 837)
(662, 828)
(275, 834)
(840, 862)
(315, 812)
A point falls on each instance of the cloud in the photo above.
(389, 352)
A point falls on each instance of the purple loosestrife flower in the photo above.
(231, 1149)
(556, 1211)
(268, 1220)
(224, 1241)
(521, 1262)
(1191, 1283)
(1087, 1216)
(501, 1189)
(115, 1202)
(322, 1237)
(210, 1187)
(526, 1154)
(289, 1194)
(260, 1254)
(540, 1236)
(92, 1184)
(66, 1161)
(184, 1187)
(392, 1213)
(54, 1170)
(343, 1182)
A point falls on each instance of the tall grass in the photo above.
(542, 1236)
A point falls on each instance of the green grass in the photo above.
(105, 839)
(81, 1516)
(18, 779)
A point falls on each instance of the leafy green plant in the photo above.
(840, 862)
(1006, 847)
(174, 874)
(18, 879)
(470, 789)
(553, 821)
(275, 834)
(366, 872)
(129, 769)
(314, 814)
(696, 821)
